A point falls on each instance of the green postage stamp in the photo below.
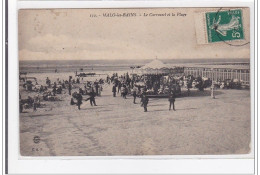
(224, 25)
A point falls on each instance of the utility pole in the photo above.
(212, 91)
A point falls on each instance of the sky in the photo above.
(71, 34)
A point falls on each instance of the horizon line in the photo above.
(130, 59)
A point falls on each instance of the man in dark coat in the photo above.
(108, 79)
(124, 91)
(54, 88)
(172, 100)
(48, 82)
(96, 88)
(59, 90)
(70, 87)
(81, 91)
(145, 102)
(92, 98)
(134, 94)
(114, 91)
(78, 81)
(72, 101)
(79, 100)
(119, 86)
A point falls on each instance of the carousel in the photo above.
(156, 79)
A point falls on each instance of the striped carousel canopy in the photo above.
(155, 64)
(154, 68)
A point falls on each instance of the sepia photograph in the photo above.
(134, 81)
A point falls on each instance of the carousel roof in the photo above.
(155, 64)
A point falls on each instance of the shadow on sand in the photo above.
(186, 109)
(157, 105)
(197, 93)
(40, 115)
(91, 107)
(158, 110)
(167, 109)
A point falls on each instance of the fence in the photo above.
(220, 74)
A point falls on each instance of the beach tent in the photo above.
(156, 67)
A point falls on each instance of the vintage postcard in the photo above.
(134, 81)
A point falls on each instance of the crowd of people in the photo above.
(122, 85)
(50, 91)
(127, 85)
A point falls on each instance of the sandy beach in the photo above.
(200, 125)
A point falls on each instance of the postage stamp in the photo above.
(224, 25)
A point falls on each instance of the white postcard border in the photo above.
(117, 164)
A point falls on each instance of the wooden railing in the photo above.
(220, 74)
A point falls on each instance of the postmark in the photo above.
(226, 25)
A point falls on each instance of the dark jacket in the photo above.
(145, 99)
(114, 89)
(79, 99)
(134, 94)
(92, 95)
(171, 98)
